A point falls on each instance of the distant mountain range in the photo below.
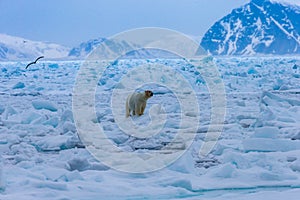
(17, 48)
(85, 48)
(259, 27)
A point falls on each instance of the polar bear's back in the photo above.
(133, 99)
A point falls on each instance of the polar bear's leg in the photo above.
(133, 109)
(137, 109)
(142, 109)
(127, 109)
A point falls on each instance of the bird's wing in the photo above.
(38, 58)
(34, 61)
(29, 65)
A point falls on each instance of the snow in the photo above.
(267, 28)
(290, 35)
(20, 49)
(256, 157)
(290, 2)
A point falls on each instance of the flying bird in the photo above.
(34, 61)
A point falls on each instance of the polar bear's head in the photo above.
(148, 94)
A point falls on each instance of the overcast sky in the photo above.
(69, 22)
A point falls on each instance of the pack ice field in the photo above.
(257, 155)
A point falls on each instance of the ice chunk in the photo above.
(191, 114)
(286, 119)
(267, 176)
(284, 87)
(237, 159)
(246, 123)
(29, 117)
(118, 137)
(79, 164)
(54, 174)
(295, 166)
(272, 99)
(9, 111)
(42, 104)
(251, 70)
(241, 103)
(296, 66)
(18, 85)
(52, 122)
(99, 167)
(226, 171)
(2, 109)
(297, 136)
(2, 182)
(53, 66)
(53, 143)
(73, 141)
(9, 139)
(72, 176)
(50, 184)
(266, 132)
(120, 86)
(25, 164)
(183, 183)
(23, 149)
(184, 164)
(291, 158)
(67, 116)
(68, 126)
(269, 145)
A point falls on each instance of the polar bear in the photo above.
(136, 102)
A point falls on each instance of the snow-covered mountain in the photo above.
(259, 27)
(85, 48)
(17, 48)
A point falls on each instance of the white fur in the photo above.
(136, 103)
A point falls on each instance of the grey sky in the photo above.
(70, 22)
